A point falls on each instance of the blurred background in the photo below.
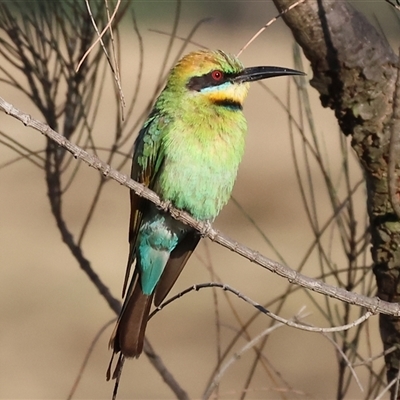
(50, 312)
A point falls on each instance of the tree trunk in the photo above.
(355, 73)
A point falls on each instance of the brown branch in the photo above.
(164, 372)
(375, 305)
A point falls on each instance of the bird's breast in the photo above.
(200, 167)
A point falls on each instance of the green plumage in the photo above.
(188, 152)
(197, 168)
(194, 145)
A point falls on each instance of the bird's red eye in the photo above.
(217, 75)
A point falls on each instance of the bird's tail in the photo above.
(128, 335)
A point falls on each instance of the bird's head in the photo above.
(218, 77)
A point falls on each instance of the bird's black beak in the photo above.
(257, 73)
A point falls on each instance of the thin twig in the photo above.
(386, 389)
(393, 4)
(217, 379)
(99, 39)
(267, 25)
(377, 357)
(86, 359)
(262, 309)
(347, 361)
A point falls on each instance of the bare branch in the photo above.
(291, 322)
(269, 23)
(375, 305)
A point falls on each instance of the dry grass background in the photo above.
(49, 310)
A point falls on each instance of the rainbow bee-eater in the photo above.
(188, 152)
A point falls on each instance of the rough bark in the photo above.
(355, 71)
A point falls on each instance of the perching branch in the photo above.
(374, 305)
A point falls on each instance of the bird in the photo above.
(188, 152)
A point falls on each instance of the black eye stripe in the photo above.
(200, 82)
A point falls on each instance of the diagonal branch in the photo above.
(375, 305)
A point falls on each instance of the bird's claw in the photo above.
(164, 206)
(205, 229)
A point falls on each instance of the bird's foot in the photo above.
(206, 229)
(165, 206)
